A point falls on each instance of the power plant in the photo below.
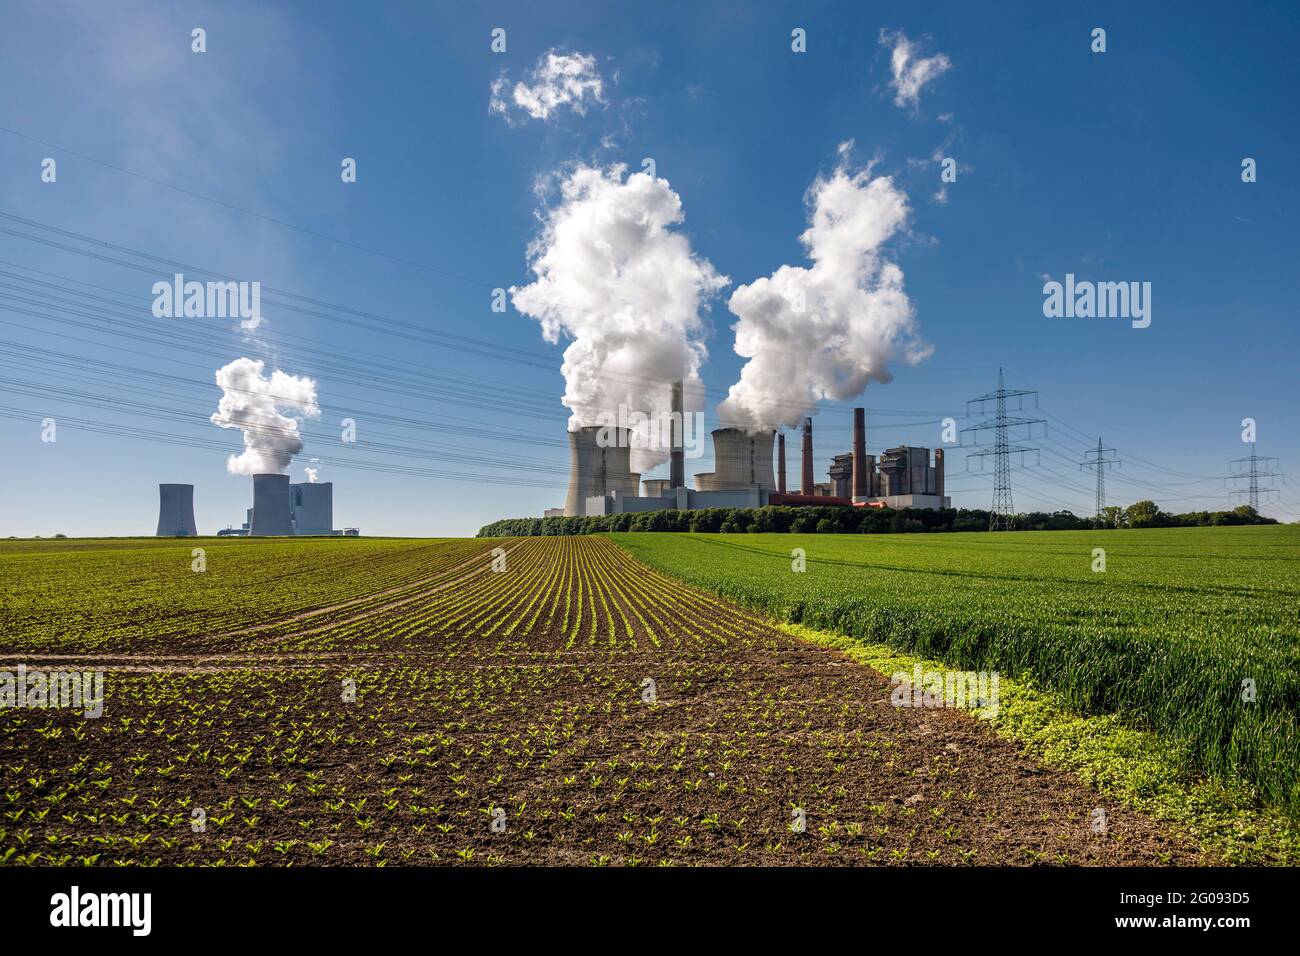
(280, 508)
(601, 481)
(176, 511)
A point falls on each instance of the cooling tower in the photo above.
(742, 459)
(176, 511)
(656, 487)
(596, 470)
(313, 507)
(861, 477)
(806, 483)
(271, 511)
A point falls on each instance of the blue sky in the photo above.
(1120, 166)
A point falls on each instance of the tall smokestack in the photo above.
(861, 479)
(806, 482)
(938, 472)
(176, 511)
(780, 463)
(677, 468)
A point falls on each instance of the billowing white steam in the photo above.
(827, 330)
(312, 474)
(268, 410)
(614, 276)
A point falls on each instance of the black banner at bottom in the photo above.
(336, 905)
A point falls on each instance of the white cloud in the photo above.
(613, 275)
(559, 80)
(910, 72)
(827, 330)
(267, 409)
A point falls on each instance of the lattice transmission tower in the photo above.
(1099, 459)
(1251, 469)
(1003, 514)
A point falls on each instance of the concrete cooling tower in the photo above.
(271, 512)
(596, 470)
(313, 507)
(176, 511)
(742, 459)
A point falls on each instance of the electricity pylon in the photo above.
(1097, 459)
(1252, 472)
(1003, 515)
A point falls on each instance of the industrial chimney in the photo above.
(176, 511)
(861, 477)
(677, 469)
(806, 479)
(938, 473)
(271, 510)
(780, 463)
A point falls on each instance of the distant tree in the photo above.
(803, 524)
(1143, 514)
(1114, 517)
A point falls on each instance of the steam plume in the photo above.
(267, 409)
(613, 276)
(827, 330)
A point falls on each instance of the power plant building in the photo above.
(312, 505)
(282, 508)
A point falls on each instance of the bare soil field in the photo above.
(576, 707)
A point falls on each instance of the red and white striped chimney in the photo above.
(861, 480)
(780, 463)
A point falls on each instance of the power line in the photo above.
(248, 212)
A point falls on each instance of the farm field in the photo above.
(1193, 633)
(408, 704)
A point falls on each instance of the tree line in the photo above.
(840, 519)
